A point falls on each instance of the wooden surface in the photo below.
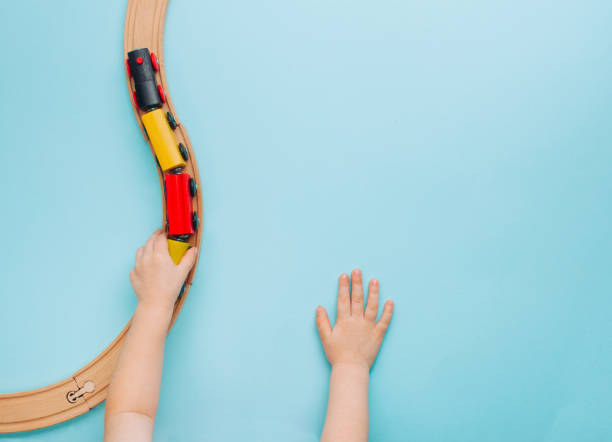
(144, 27)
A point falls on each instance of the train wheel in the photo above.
(181, 292)
(154, 62)
(196, 221)
(161, 93)
(183, 151)
(193, 187)
(171, 120)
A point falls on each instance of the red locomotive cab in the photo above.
(179, 206)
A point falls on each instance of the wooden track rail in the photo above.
(75, 395)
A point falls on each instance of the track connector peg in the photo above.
(88, 387)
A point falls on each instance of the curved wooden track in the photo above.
(75, 395)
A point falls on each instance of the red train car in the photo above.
(180, 189)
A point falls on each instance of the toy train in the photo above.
(171, 156)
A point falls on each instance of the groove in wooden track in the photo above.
(29, 410)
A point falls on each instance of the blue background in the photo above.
(457, 151)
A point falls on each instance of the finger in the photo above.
(371, 311)
(344, 299)
(148, 247)
(188, 260)
(385, 319)
(323, 324)
(139, 253)
(161, 243)
(155, 238)
(356, 293)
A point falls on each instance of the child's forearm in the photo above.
(135, 384)
(347, 409)
(133, 394)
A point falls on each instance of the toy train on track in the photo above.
(171, 156)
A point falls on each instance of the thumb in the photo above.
(323, 325)
(188, 260)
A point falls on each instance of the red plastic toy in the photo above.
(180, 189)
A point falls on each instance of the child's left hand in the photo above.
(157, 281)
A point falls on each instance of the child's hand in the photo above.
(157, 281)
(356, 337)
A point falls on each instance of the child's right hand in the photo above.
(357, 336)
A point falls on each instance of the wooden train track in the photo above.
(86, 388)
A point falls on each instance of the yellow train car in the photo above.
(167, 149)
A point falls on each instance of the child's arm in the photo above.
(133, 394)
(351, 348)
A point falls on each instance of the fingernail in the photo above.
(375, 282)
(357, 272)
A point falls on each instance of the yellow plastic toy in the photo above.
(177, 249)
(163, 140)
